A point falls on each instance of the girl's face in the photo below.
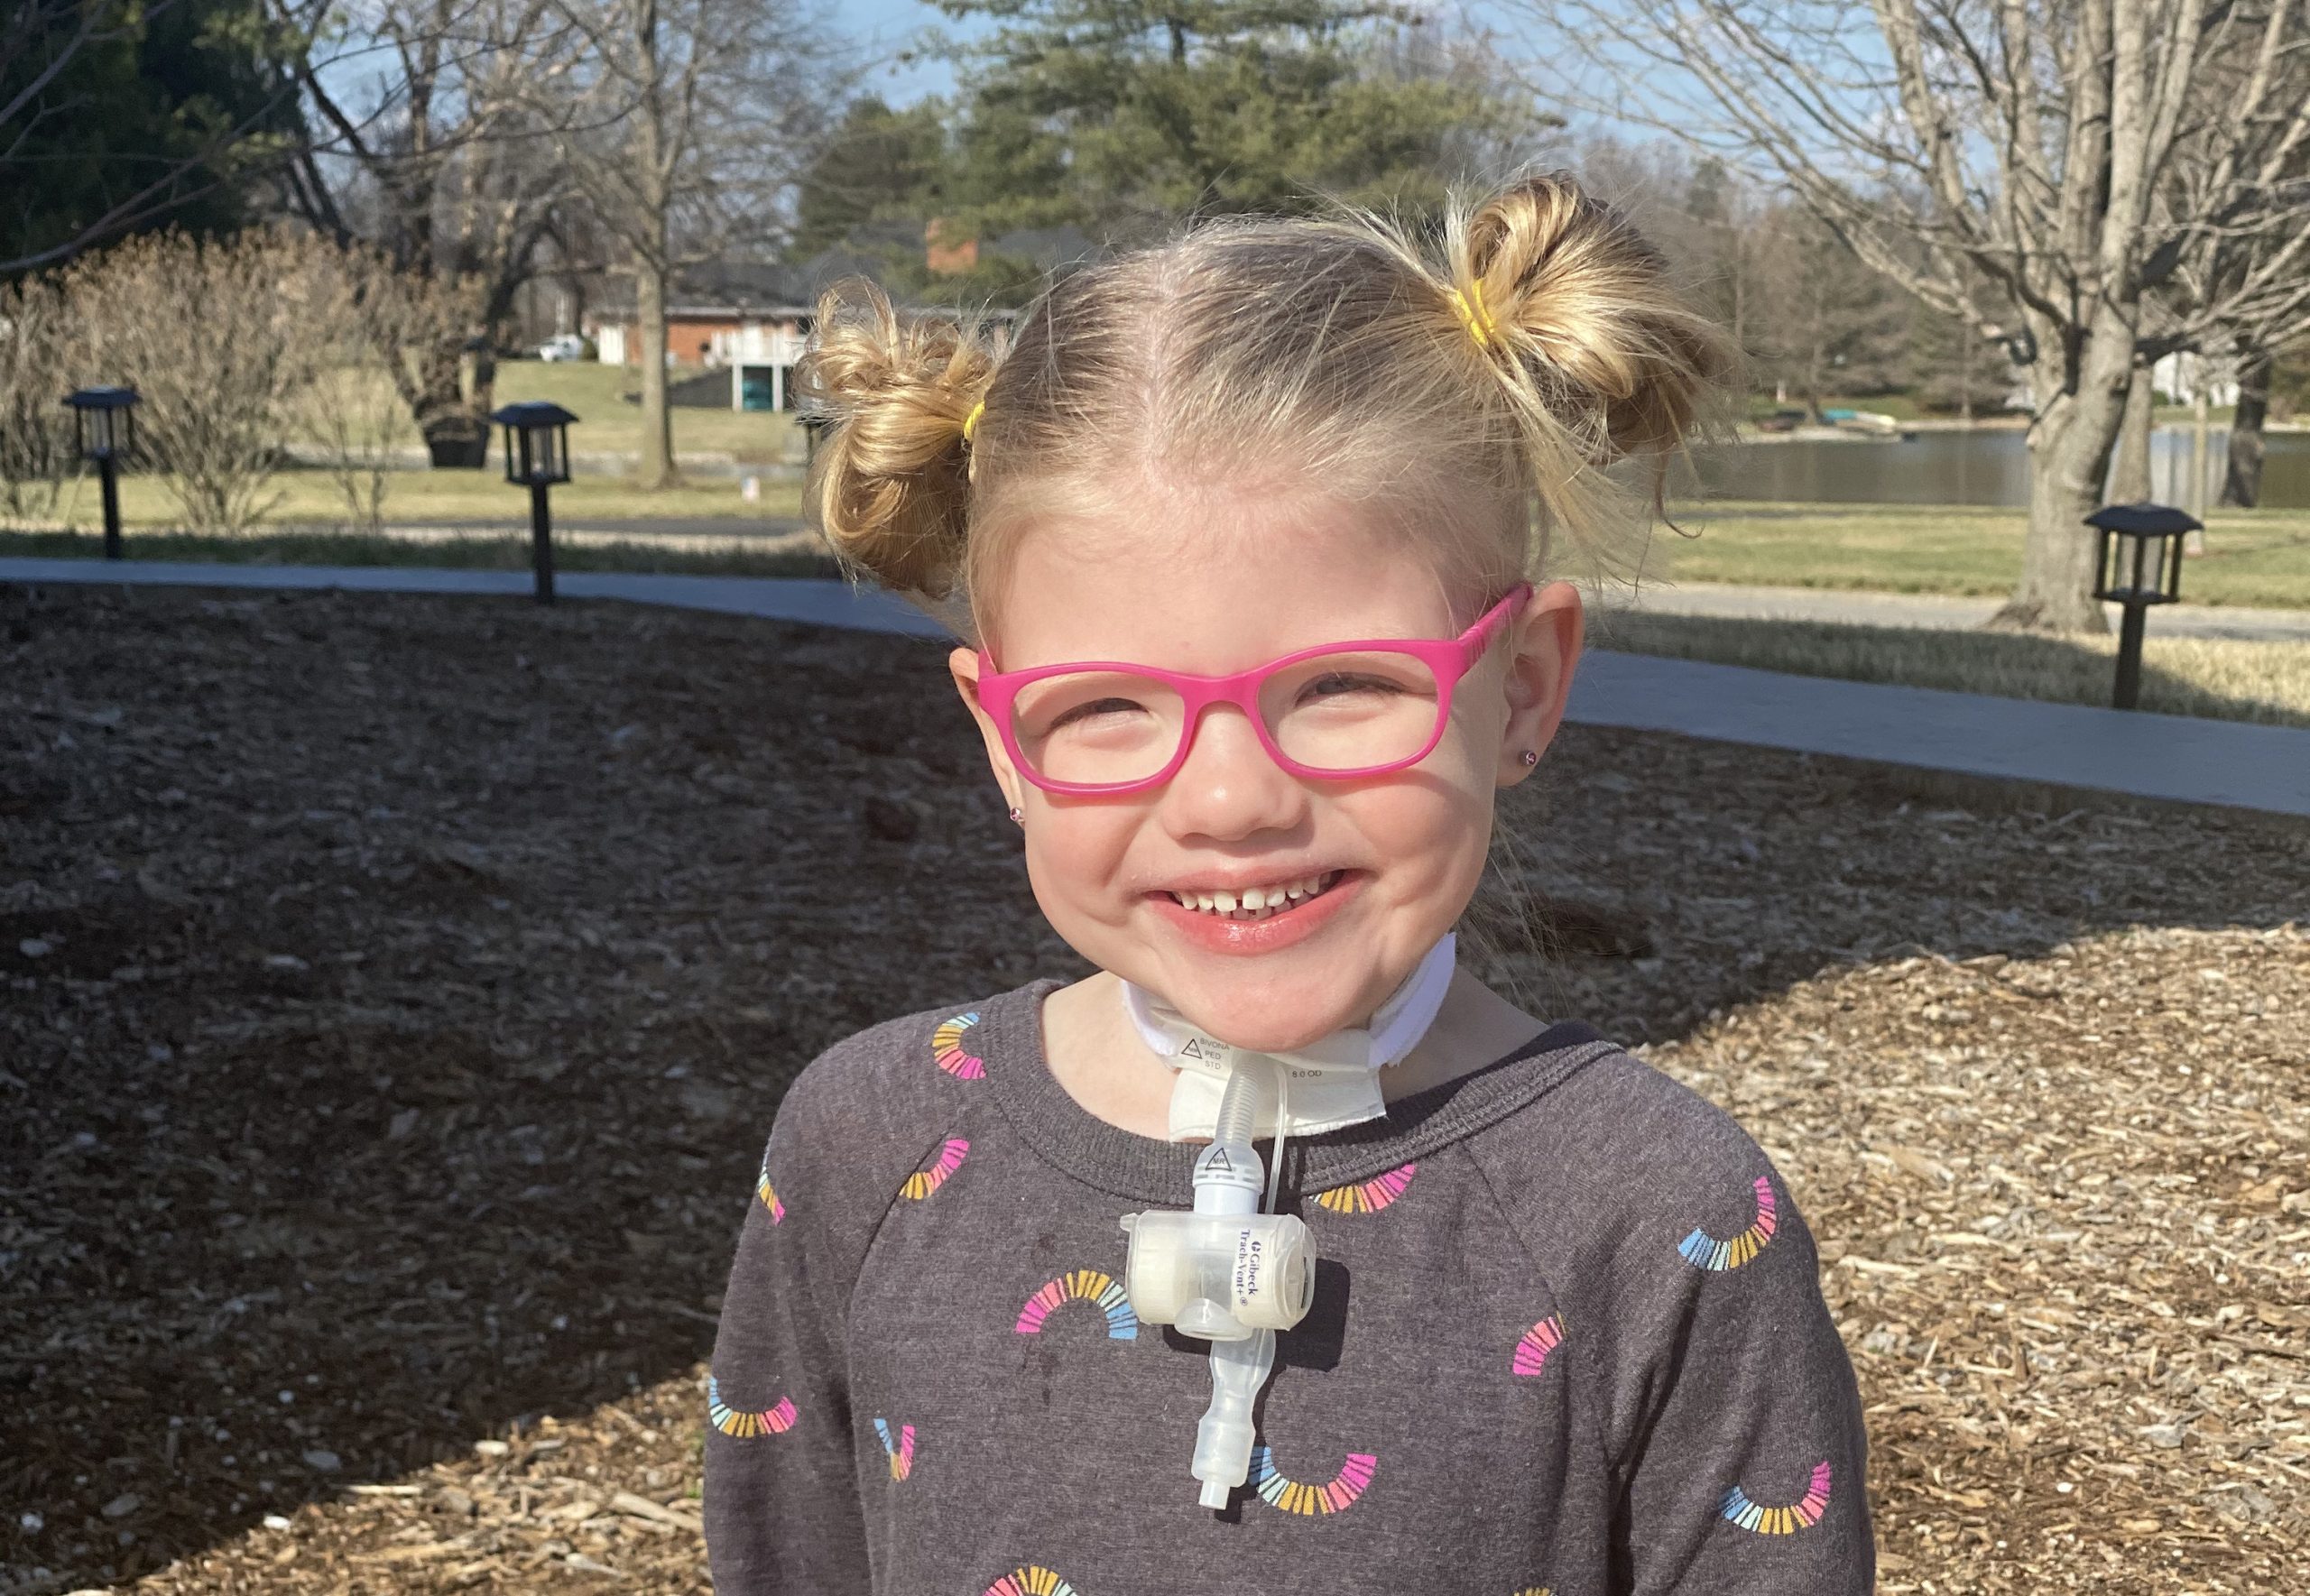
(1216, 583)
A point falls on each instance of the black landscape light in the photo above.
(104, 428)
(537, 455)
(2138, 562)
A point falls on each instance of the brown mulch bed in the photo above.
(398, 991)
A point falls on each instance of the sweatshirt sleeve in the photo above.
(1725, 1406)
(782, 1503)
(1742, 1460)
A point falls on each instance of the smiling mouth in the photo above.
(1258, 903)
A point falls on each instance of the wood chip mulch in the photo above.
(398, 992)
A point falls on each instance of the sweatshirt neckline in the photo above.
(1125, 1164)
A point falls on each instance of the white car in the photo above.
(567, 346)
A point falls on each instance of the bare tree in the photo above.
(219, 339)
(41, 42)
(379, 319)
(425, 146)
(2117, 170)
(684, 124)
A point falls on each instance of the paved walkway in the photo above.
(1928, 610)
(2158, 756)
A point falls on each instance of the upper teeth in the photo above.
(1253, 898)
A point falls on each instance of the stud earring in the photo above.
(1530, 757)
(1018, 817)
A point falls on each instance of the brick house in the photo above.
(752, 319)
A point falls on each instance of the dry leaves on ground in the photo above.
(399, 990)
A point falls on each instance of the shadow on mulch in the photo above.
(399, 993)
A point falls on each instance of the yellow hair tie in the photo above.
(1477, 320)
(970, 422)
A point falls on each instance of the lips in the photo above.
(1265, 929)
(1255, 902)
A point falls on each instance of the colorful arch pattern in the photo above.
(768, 1196)
(947, 1051)
(1030, 1582)
(746, 1423)
(1802, 1515)
(1336, 1496)
(1368, 1196)
(902, 1455)
(933, 1175)
(1705, 1251)
(1533, 1349)
(1082, 1285)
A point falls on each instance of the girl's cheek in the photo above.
(1075, 858)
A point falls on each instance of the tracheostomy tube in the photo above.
(1227, 1272)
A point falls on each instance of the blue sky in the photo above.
(888, 23)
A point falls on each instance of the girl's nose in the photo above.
(1229, 788)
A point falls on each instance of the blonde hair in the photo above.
(1540, 346)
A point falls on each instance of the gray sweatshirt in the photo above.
(1567, 1336)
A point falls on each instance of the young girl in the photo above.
(1241, 531)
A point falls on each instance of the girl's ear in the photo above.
(1544, 648)
(963, 665)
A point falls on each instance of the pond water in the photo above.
(1982, 467)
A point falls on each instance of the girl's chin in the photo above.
(1262, 1018)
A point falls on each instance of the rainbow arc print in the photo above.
(1708, 1253)
(1030, 1582)
(745, 1423)
(1803, 1514)
(1336, 1495)
(1081, 1286)
(947, 1051)
(901, 1452)
(1368, 1196)
(933, 1175)
(763, 1190)
(1533, 1348)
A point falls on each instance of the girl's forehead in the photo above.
(1211, 588)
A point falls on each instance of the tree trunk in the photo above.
(2069, 456)
(456, 433)
(2242, 484)
(656, 468)
(2129, 470)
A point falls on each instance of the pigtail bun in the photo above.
(1602, 359)
(890, 482)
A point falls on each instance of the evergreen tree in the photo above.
(1121, 118)
(880, 165)
(144, 119)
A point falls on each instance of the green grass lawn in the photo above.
(2218, 677)
(505, 552)
(311, 498)
(2254, 557)
(607, 422)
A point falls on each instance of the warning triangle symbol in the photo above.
(1195, 1048)
(1220, 1162)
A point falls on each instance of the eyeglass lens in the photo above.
(1335, 712)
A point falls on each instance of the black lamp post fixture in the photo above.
(104, 428)
(537, 454)
(2138, 562)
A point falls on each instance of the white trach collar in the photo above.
(1333, 1081)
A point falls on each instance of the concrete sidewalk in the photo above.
(2156, 756)
(1933, 611)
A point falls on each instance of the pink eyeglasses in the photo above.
(1338, 710)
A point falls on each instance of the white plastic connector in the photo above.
(1229, 1273)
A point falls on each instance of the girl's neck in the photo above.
(1096, 1055)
